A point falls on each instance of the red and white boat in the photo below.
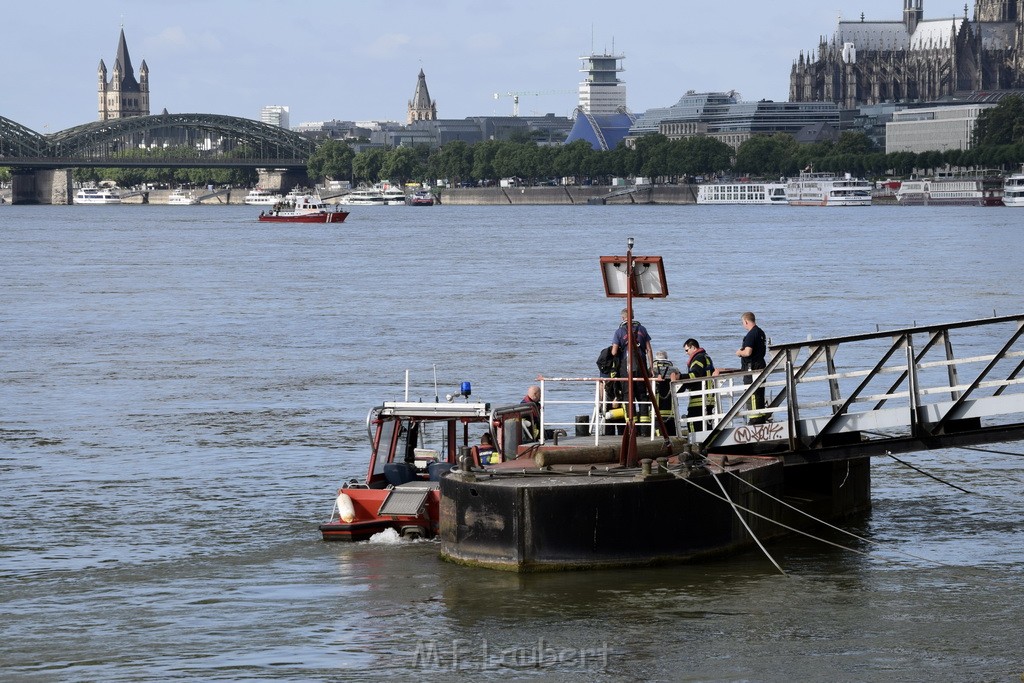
(422, 198)
(304, 209)
(413, 445)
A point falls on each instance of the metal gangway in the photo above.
(899, 390)
(215, 194)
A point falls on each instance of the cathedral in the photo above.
(916, 59)
(123, 95)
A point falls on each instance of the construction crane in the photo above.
(516, 95)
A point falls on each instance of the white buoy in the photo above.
(346, 510)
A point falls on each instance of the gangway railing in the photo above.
(901, 389)
(578, 405)
(815, 401)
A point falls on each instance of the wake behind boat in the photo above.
(305, 209)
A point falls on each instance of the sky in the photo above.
(358, 61)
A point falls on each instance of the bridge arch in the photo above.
(18, 141)
(98, 138)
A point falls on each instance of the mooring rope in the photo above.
(1001, 476)
(990, 450)
(943, 481)
(794, 529)
(747, 526)
(831, 526)
(932, 476)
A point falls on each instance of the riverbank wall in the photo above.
(569, 195)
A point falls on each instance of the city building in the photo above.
(601, 93)
(721, 116)
(123, 96)
(421, 107)
(275, 115)
(914, 59)
(932, 129)
(602, 117)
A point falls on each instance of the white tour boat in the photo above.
(98, 195)
(180, 197)
(985, 189)
(260, 197)
(1013, 189)
(381, 194)
(742, 193)
(827, 189)
(363, 198)
(394, 196)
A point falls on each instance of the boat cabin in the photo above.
(421, 441)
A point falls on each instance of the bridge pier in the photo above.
(41, 186)
(280, 180)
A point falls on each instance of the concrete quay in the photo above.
(570, 195)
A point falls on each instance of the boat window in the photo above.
(385, 442)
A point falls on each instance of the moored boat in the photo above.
(742, 193)
(363, 197)
(260, 197)
(421, 198)
(827, 189)
(1013, 190)
(305, 209)
(393, 196)
(98, 195)
(959, 189)
(412, 444)
(180, 197)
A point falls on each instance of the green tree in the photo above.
(854, 142)
(332, 159)
(768, 155)
(483, 160)
(574, 159)
(1002, 124)
(401, 164)
(452, 162)
(367, 164)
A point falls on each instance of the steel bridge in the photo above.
(157, 141)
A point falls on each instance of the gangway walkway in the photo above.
(891, 391)
(217, 194)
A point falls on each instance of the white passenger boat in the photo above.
(1013, 189)
(827, 189)
(98, 195)
(984, 189)
(369, 197)
(381, 194)
(742, 193)
(260, 197)
(394, 196)
(181, 197)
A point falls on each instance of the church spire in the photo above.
(123, 95)
(421, 107)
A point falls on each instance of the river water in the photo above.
(183, 389)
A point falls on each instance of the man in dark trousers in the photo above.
(751, 353)
(698, 364)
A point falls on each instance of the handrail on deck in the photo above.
(901, 381)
